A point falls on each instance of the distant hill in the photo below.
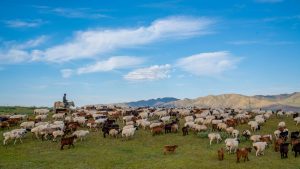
(284, 101)
(151, 102)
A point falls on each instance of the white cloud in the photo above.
(151, 73)
(208, 64)
(66, 73)
(82, 13)
(260, 42)
(19, 52)
(117, 62)
(269, 1)
(24, 24)
(92, 43)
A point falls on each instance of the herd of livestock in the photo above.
(124, 122)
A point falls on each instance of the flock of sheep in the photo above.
(157, 121)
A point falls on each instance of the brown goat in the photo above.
(4, 124)
(221, 154)
(169, 148)
(157, 130)
(277, 144)
(67, 141)
(243, 152)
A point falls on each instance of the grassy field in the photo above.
(143, 152)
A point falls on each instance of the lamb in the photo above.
(27, 125)
(231, 145)
(246, 134)
(277, 134)
(260, 147)
(297, 120)
(222, 126)
(214, 136)
(221, 154)
(229, 130)
(56, 134)
(127, 133)
(281, 124)
(169, 148)
(114, 132)
(14, 134)
(67, 141)
(81, 134)
(235, 133)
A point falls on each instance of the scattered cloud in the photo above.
(13, 52)
(24, 24)
(83, 13)
(208, 64)
(156, 72)
(118, 62)
(269, 1)
(66, 73)
(260, 42)
(92, 43)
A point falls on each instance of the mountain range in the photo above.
(282, 101)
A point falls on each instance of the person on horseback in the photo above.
(65, 101)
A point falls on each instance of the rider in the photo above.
(65, 101)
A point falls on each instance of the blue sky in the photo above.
(106, 52)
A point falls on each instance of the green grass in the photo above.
(143, 152)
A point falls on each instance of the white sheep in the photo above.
(14, 134)
(189, 124)
(56, 134)
(80, 120)
(222, 126)
(229, 130)
(255, 138)
(199, 120)
(231, 145)
(127, 133)
(199, 128)
(58, 116)
(235, 133)
(41, 117)
(165, 119)
(40, 111)
(214, 136)
(277, 134)
(281, 124)
(297, 120)
(113, 133)
(155, 124)
(128, 127)
(189, 119)
(27, 125)
(144, 115)
(81, 134)
(260, 147)
(145, 124)
(127, 118)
